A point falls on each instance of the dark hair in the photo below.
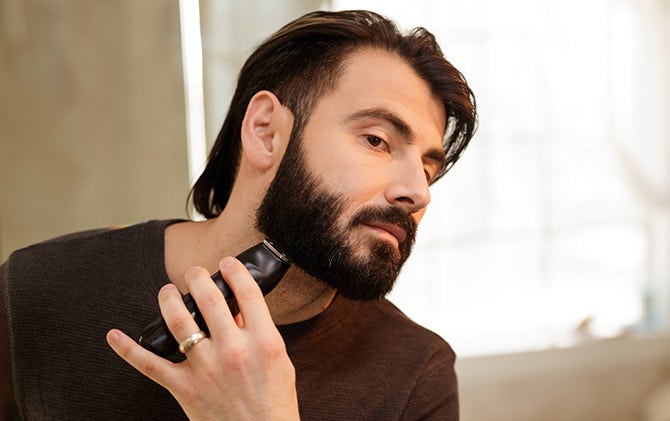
(303, 61)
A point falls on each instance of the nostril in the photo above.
(405, 199)
(409, 189)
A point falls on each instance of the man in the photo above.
(338, 127)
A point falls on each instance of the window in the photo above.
(555, 226)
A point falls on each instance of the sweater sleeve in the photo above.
(435, 395)
(8, 408)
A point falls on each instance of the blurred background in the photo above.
(544, 258)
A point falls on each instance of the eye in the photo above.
(429, 178)
(430, 173)
(376, 142)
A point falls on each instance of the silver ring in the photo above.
(187, 344)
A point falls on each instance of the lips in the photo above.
(399, 233)
(392, 222)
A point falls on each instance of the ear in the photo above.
(266, 130)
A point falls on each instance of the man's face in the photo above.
(350, 192)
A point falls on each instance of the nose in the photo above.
(408, 187)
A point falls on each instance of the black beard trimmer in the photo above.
(267, 265)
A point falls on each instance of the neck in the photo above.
(297, 297)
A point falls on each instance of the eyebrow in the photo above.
(408, 135)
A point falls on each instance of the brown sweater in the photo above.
(58, 299)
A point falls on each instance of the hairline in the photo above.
(315, 97)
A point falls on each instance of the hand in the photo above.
(242, 371)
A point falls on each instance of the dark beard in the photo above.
(300, 215)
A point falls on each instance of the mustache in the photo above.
(391, 215)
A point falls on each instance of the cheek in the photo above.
(346, 171)
(352, 186)
(355, 183)
(418, 216)
(359, 178)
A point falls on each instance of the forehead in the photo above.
(376, 79)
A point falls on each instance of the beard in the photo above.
(302, 217)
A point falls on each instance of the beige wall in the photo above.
(92, 126)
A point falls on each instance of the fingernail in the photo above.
(165, 288)
(113, 336)
(190, 272)
(227, 261)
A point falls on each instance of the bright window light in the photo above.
(191, 41)
(554, 227)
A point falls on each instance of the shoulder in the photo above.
(63, 242)
(415, 364)
(391, 321)
(85, 243)
(381, 329)
(74, 258)
(38, 255)
(434, 392)
(387, 325)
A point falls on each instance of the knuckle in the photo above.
(272, 346)
(178, 323)
(148, 367)
(209, 299)
(236, 357)
(248, 292)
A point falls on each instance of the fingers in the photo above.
(250, 300)
(177, 317)
(241, 364)
(210, 300)
(156, 368)
(212, 303)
